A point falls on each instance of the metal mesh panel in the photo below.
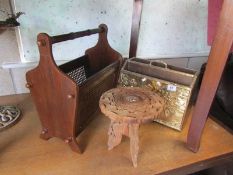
(78, 75)
(89, 101)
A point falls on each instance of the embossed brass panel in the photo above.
(174, 85)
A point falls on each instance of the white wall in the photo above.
(169, 28)
(58, 16)
(8, 52)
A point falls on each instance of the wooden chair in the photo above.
(215, 66)
(216, 62)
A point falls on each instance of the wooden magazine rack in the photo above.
(66, 96)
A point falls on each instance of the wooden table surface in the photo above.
(162, 150)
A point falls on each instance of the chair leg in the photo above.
(215, 66)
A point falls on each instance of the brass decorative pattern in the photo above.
(176, 96)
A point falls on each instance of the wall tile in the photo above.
(9, 51)
(6, 85)
(5, 6)
(19, 79)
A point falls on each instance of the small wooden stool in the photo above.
(128, 107)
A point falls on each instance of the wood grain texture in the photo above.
(216, 62)
(64, 105)
(131, 104)
(134, 142)
(50, 89)
(128, 107)
(162, 150)
(136, 19)
(117, 130)
(115, 133)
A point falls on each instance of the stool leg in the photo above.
(115, 134)
(134, 142)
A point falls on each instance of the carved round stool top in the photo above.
(131, 104)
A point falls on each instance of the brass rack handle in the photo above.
(159, 61)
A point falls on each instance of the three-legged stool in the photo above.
(128, 107)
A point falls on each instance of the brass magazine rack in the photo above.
(174, 84)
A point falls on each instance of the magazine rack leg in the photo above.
(73, 144)
(70, 140)
(215, 66)
(45, 135)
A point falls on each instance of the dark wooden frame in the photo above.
(216, 62)
(65, 107)
(136, 19)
